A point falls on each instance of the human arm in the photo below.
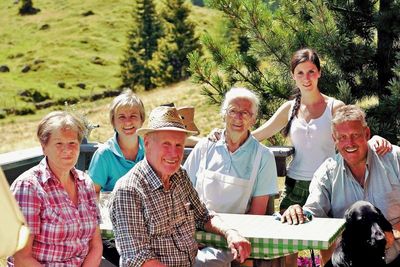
(93, 258)
(240, 246)
(129, 226)
(258, 205)
(319, 200)
(24, 256)
(266, 183)
(98, 170)
(274, 124)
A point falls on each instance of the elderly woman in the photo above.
(59, 201)
(236, 174)
(121, 152)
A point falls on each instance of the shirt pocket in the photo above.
(57, 225)
(160, 224)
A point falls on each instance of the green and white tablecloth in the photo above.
(270, 238)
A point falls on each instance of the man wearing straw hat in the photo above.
(155, 210)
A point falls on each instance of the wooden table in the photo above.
(269, 237)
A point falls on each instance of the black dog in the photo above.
(363, 240)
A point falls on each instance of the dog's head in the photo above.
(363, 240)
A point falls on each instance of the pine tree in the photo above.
(355, 39)
(137, 70)
(179, 40)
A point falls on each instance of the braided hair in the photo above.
(300, 56)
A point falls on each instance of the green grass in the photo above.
(64, 53)
(66, 49)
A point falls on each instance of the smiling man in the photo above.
(236, 174)
(356, 173)
(155, 210)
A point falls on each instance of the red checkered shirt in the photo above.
(61, 230)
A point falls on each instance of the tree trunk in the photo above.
(385, 54)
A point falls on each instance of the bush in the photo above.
(33, 95)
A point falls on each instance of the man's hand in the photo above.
(293, 215)
(240, 246)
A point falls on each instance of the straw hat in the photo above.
(187, 115)
(165, 119)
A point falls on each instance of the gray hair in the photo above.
(59, 120)
(126, 99)
(240, 93)
(348, 113)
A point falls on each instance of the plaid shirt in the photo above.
(151, 223)
(61, 230)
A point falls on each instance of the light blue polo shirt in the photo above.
(109, 164)
(238, 164)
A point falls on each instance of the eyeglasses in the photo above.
(243, 113)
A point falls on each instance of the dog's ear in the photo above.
(383, 222)
(338, 258)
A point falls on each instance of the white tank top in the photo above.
(312, 142)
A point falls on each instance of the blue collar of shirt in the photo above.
(116, 149)
(244, 147)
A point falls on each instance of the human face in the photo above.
(351, 140)
(62, 150)
(127, 120)
(306, 76)
(164, 151)
(239, 116)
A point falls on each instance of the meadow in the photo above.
(73, 44)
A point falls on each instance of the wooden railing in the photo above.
(16, 162)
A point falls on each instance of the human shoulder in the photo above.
(326, 168)
(133, 178)
(105, 147)
(266, 151)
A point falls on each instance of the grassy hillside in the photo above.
(61, 45)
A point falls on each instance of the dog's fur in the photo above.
(363, 240)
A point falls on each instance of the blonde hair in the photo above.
(59, 120)
(126, 99)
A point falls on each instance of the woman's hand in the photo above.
(381, 145)
(215, 135)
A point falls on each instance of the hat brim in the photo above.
(143, 131)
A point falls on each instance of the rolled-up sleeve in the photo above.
(131, 237)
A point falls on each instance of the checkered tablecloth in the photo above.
(270, 238)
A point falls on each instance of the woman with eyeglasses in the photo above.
(236, 174)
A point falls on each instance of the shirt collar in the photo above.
(116, 149)
(153, 179)
(114, 146)
(47, 173)
(245, 146)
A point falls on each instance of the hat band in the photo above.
(163, 124)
